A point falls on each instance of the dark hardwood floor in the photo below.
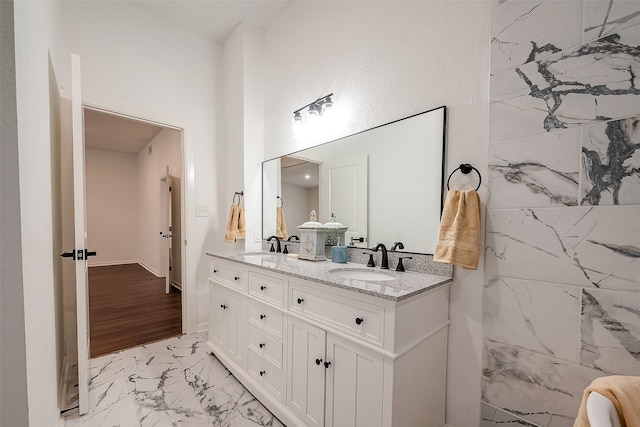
(128, 307)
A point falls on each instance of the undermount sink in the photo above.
(361, 274)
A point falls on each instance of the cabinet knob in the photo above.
(215, 271)
(318, 362)
(359, 320)
(262, 373)
(236, 278)
(262, 287)
(327, 364)
(262, 345)
(262, 316)
(223, 306)
(300, 300)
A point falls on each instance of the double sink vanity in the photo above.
(326, 344)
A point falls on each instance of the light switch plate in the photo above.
(202, 210)
(256, 236)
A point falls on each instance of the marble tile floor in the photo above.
(174, 382)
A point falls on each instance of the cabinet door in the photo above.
(216, 316)
(236, 326)
(306, 376)
(354, 382)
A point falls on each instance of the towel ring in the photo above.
(239, 194)
(465, 168)
(281, 201)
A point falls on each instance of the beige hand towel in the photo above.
(281, 224)
(232, 224)
(622, 391)
(241, 223)
(459, 235)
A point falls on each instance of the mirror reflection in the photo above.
(385, 184)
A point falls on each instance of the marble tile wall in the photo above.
(561, 302)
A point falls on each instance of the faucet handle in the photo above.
(400, 266)
(272, 248)
(371, 263)
(285, 250)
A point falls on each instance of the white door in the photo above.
(80, 251)
(354, 385)
(306, 372)
(343, 190)
(165, 233)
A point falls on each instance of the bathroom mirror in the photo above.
(385, 184)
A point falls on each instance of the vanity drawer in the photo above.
(268, 288)
(269, 349)
(354, 317)
(234, 277)
(268, 375)
(269, 318)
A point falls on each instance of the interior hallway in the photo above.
(128, 307)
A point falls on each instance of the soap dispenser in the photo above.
(339, 253)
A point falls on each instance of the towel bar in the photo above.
(465, 168)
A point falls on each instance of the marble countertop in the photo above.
(403, 285)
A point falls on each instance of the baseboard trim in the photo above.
(149, 269)
(107, 263)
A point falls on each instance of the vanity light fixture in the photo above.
(315, 108)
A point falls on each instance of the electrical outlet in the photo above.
(202, 210)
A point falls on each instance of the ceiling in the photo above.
(299, 172)
(215, 19)
(104, 131)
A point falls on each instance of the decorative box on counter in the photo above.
(314, 236)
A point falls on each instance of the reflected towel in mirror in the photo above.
(281, 224)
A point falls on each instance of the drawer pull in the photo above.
(262, 373)
(263, 287)
(318, 362)
(359, 320)
(215, 271)
(262, 316)
(262, 345)
(327, 364)
(236, 278)
(300, 300)
(223, 306)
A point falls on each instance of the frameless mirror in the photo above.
(385, 184)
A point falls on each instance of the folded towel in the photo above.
(241, 223)
(232, 224)
(622, 391)
(281, 224)
(459, 235)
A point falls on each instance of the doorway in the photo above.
(125, 160)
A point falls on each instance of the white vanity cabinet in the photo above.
(320, 355)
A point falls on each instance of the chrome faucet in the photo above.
(385, 260)
(278, 248)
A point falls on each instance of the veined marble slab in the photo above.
(535, 171)
(597, 81)
(171, 382)
(490, 416)
(596, 247)
(611, 331)
(611, 163)
(525, 31)
(538, 316)
(604, 17)
(541, 389)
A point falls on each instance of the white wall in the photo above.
(299, 202)
(112, 206)
(138, 63)
(385, 61)
(151, 167)
(34, 139)
(13, 370)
